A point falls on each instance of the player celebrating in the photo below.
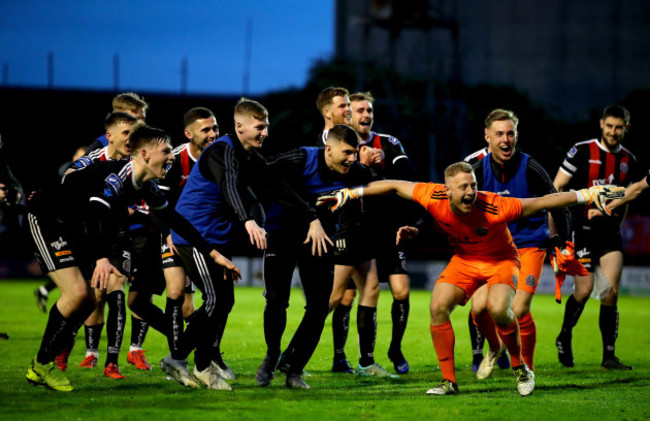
(511, 173)
(484, 252)
(597, 238)
(75, 228)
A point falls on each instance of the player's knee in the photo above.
(520, 310)
(401, 293)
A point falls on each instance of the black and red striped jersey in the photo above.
(176, 177)
(92, 157)
(475, 157)
(394, 161)
(590, 164)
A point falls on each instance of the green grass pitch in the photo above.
(584, 392)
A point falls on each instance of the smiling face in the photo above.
(337, 111)
(251, 131)
(501, 137)
(614, 130)
(202, 132)
(339, 156)
(462, 188)
(362, 118)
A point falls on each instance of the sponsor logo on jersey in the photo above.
(63, 253)
(59, 244)
(595, 161)
(582, 253)
(572, 152)
(113, 185)
(503, 193)
(66, 259)
(166, 255)
(82, 162)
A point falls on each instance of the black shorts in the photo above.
(594, 239)
(208, 276)
(352, 251)
(57, 248)
(170, 260)
(391, 260)
(147, 275)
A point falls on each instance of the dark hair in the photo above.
(196, 113)
(144, 135)
(617, 111)
(118, 117)
(325, 97)
(343, 133)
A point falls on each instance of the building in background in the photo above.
(568, 56)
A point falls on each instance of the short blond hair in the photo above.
(249, 107)
(129, 101)
(362, 96)
(457, 167)
(500, 114)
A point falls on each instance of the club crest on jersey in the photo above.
(113, 185)
(572, 152)
(82, 162)
(624, 167)
(481, 231)
(531, 281)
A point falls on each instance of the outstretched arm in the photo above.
(338, 198)
(597, 195)
(632, 191)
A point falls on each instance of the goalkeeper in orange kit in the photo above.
(484, 252)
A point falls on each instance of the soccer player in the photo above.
(42, 292)
(217, 199)
(511, 173)
(484, 252)
(384, 154)
(597, 238)
(128, 102)
(201, 129)
(119, 126)
(334, 105)
(77, 228)
(297, 239)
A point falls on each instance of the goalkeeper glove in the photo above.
(599, 195)
(337, 198)
(564, 262)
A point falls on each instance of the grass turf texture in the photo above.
(579, 393)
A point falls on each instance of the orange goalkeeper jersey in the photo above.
(480, 235)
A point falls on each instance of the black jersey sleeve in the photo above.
(278, 174)
(223, 167)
